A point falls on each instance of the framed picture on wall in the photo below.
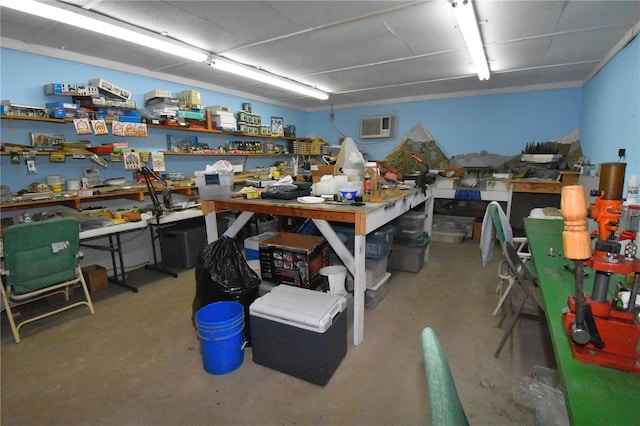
(277, 126)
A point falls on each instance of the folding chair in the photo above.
(445, 408)
(41, 259)
(530, 299)
(505, 235)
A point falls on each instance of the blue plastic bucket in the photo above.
(220, 330)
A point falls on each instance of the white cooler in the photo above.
(300, 332)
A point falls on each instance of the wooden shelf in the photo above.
(533, 186)
(226, 154)
(75, 202)
(155, 126)
(216, 154)
(25, 117)
(28, 149)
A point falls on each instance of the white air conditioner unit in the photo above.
(383, 126)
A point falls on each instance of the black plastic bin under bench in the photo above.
(181, 243)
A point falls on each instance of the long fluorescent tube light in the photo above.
(236, 68)
(468, 24)
(45, 10)
(79, 20)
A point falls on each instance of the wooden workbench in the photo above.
(366, 219)
(540, 186)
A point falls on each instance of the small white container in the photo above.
(55, 179)
(496, 184)
(73, 184)
(336, 275)
(445, 182)
(348, 194)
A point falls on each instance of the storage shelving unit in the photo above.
(133, 194)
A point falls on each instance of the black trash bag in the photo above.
(223, 274)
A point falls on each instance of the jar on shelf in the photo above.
(371, 181)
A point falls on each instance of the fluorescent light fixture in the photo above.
(468, 24)
(47, 11)
(80, 20)
(236, 68)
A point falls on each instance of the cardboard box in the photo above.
(294, 259)
(477, 230)
(318, 171)
(157, 93)
(96, 277)
(110, 88)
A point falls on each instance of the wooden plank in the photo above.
(537, 187)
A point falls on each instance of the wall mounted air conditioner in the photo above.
(383, 126)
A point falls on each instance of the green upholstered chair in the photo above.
(41, 259)
(445, 408)
(525, 299)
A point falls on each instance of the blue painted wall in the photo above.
(610, 116)
(501, 124)
(605, 110)
(23, 76)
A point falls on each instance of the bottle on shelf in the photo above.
(371, 182)
(632, 190)
(366, 183)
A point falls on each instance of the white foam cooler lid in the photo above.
(299, 307)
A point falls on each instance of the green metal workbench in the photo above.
(595, 395)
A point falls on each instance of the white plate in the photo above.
(310, 200)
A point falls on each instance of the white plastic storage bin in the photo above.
(378, 243)
(444, 236)
(214, 186)
(409, 256)
(373, 295)
(410, 225)
(374, 270)
(453, 225)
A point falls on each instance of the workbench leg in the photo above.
(355, 265)
(112, 249)
(359, 288)
(428, 224)
(211, 223)
(237, 225)
(336, 244)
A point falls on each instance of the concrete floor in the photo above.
(137, 360)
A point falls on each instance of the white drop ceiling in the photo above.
(361, 52)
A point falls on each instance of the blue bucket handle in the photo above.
(244, 342)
